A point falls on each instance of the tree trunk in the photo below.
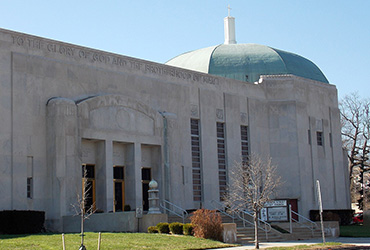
(256, 242)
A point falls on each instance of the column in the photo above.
(109, 175)
(137, 169)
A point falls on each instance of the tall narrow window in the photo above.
(244, 139)
(320, 139)
(119, 188)
(196, 160)
(88, 186)
(244, 142)
(29, 187)
(30, 177)
(221, 155)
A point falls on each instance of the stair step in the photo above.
(173, 218)
(246, 234)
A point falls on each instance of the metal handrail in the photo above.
(184, 214)
(313, 224)
(267, 226)
(220, 207)
(236, 215)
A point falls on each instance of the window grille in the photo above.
(221, 154)
(196, 160)
(320, 139)
(244, 142)
(29, 187)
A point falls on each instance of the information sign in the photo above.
(274, 211)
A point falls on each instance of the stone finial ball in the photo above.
(153, 184)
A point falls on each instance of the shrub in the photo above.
(21, 222)
(163, 228)
(343, 216)
(127, 208)
(152, 230)
(188, 229)
(207, 224)
(176, 228)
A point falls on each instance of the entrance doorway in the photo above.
(146, 176)
(88, 187)
(119, 188)
(294, 204)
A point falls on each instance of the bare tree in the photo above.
(355, 121)
(252, 183)
(83, 208)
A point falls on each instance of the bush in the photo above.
(21, 222)
(163, 228)
(152, 230)
(176, 228)
(188, 229)
(127, 208)
(343, 216)
(207, 224)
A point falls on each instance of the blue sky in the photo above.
(335, 35)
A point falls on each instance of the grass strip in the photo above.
(110, 241)
(357, 230)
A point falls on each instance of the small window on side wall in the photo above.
(320, 138)
(29, 187)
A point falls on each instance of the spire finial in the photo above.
(229, 24)
(228, 10)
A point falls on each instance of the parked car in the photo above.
(358, 218)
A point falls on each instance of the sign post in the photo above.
(321, 211)
(290, 219)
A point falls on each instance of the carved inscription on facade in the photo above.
(243, 117)
(194, 111)
(93, 56)
(220, 114)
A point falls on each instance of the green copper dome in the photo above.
(246, 62)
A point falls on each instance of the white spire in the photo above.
(229, 26)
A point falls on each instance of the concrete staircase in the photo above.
(300, 232)
(245, 233)
(173, 218)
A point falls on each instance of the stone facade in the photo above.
(63, 106)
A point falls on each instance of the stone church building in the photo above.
(125, 121)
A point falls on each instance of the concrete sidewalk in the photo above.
(344, 240)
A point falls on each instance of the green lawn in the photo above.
(354, 231)
(110, 241)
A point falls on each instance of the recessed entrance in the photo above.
(88, 187)
(146, 176)
(119, 188)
